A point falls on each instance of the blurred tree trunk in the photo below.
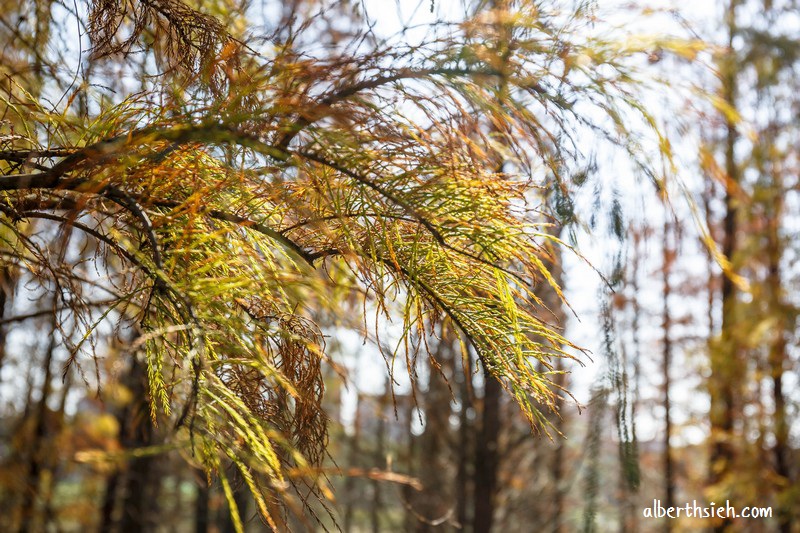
(434, 503)
(464, 443)
(202, 517)
(6, 291)
(54, 457)
(632, 514)
(555, 308)
(668, 255)
(486, 455)
(109, 502)
(778, 351)
(379, 457)
(411, 460)
(353, 454)
(557, 466)
(487, 458)
(38, 443)
(725, 365)
(7, 505)
(134, 488)
(598, 404)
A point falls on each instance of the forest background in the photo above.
(398, 266)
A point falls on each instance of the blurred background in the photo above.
(688, 388)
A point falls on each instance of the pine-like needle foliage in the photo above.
(227, 215)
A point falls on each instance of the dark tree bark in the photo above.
(37, 445)
(6, 504)
(486, 447)
(464, 445)
(433, 504)
(557, 467)
(201, 511)
(5, 298)
(139, 483)
(54, 458)
(781, 450)
(411, 460)
(109, 502)
(725, 357)
(487, 456)
(379, 458)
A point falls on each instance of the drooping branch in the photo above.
(57, 177)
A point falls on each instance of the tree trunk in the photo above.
(54, 458)
(201, 511)
(557, 468)
(107, 518)
(666, 346)
(411, 451)
(487, 456)
(486, 451)
(139, 497)
(464, 448)
(5, 293)
(631, 519)
(37, 443)
(724, 357)
(778, 356)
(555, 308)
(354, 452)
(379, 457)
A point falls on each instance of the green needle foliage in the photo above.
(243, 192)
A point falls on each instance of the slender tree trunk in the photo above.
(557, 468)
(202, 517)
(464, 448)
(434, 502)
(35, 457)
(5, 293)
(7, 505)
(487, 456)
(380, 457)
(407, 492)
(725, 369)
(54, 458)
(139, 498)
(711, 292)
(666, 346)
(597, 420)
(777, 355)
(354, 453)
(627, 453)
(555, 307)
(632, 518)
(107, 518)
(618, 381)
